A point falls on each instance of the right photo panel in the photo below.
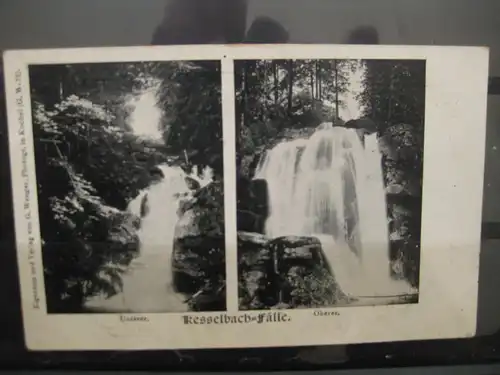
(329, 160)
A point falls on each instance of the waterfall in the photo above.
(147, 285)
(278, 168)
(331, 186)
(152, 289)
(162, 200)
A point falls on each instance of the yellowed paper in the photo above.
(246, 196)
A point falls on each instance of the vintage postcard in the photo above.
(220, 197)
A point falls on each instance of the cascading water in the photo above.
(147, 284)
(331, 186)
(279, 170)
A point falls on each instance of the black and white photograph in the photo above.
(329, 161)
(129, 167)
(210, 197)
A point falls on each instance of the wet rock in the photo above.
(402, 149)
(192, 183)
(290, 134)
(404, 140)
(305, 276)
(203, 213)
(310, 287)
(364, 124)
(156, 173)
(184, 200)
(252, 249)
(201, 258)
(386, 148)
(291, 249)
(255, 162)
(256, 273)
(144, 206)
(394, 189)
(405, 260)
(253, 207)
(198, 260)
(286, 272)
(123, 237)
(249, 221)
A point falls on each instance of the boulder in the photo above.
(310, 287)
(252, 249)
(305, 276)
(365, 124)
(402, 149)
(404, 140)
(145, 208)
(405, 260)
(123, 241)
(198, 261)
(297, 249)
(202, 214)
(255, 161)
(287, 271)
(290, 134)
(256, 273)
(192, 183)
(253, 206)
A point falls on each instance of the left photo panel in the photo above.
(129, 175)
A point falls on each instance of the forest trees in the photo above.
(87, 242)
(90, 164)
(284, 99)
(394, 97)
(273, 96)
(88, 170)
(191, 99)
(394, 92)
(276, 95)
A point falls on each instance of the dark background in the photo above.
(63, 23)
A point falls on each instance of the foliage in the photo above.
(403, 160)
(314, 287)
(393, 92)
(394, 97)
(90, 165)
(192, 103)
(86, 244)
(274, 96)
(199, 249)
(86, 173)
(288, 99)
(107, 155)
(105, 83)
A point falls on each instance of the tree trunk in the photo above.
(312, 82)
(391, 93)
(336, 72)
(320, 94)
(290, 87)
(276, 88)
(316, 71)
(244, 92)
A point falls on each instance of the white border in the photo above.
(456, 91)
